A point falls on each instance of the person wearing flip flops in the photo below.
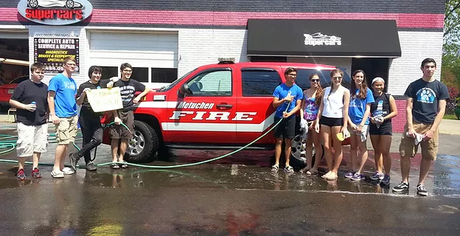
(118, 133)
(90, 121)
(286, 94)
(30, 99)
(425, 108)
(308, 112)
(333, 119)
(358, 120)
(63, 111)
(381, 130)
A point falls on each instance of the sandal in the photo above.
(124, 165)
(114, 166)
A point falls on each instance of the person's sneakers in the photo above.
(21, 175)
(421, 190)
(57, 174)
(349, 175)
(275, 168)
(377, 176)
(401, 187)
(357, 177)
(36, 173)
(68, 171)
(386, 180)
(74, 160)
(289, 169)
(91, 167)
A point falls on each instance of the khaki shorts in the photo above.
(407, 148)
(31, 139)
(119, 131)
(66, 130)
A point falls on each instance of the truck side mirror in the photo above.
(183, 90)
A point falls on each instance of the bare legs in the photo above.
(59, 158)
(382, 144)
(287, 150)
(329, 134)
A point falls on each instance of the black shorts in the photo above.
(120, 131)
(331, 121)
(286, 129)
(384, 129)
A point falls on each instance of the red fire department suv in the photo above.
(224, 105)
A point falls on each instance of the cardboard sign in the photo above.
(104, 99)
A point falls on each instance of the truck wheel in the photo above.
(298, 150)
(144, 144)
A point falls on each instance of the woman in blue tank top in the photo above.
(309, 111)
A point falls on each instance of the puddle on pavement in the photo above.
(446, 176)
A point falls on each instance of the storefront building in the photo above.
(164, 40)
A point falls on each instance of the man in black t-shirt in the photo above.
(426, 104)
(30, 99)
(118, 133)
(90, 121)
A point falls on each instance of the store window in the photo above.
(109, 72)
(141, 74)
(258, 83)
(163, 75)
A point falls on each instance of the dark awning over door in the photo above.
(329, 38)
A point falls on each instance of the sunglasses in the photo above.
(315, 80)
(337, 77)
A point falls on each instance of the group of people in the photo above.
(35, 102)
(335, 113)
(330, 114)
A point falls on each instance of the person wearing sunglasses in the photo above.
(308, 112)
(333, 118)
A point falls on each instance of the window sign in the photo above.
(52, 51)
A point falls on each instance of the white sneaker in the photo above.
(57, 174)
(68, 171)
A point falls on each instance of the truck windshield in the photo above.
(171, 85)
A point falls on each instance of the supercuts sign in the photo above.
(55, 12)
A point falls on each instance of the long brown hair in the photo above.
(319, 90)
(362, 89)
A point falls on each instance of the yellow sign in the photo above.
(104, 99)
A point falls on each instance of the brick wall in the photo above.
(415, 46)
(400, 120)
(199, 47)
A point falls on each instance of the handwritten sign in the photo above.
(104, 99)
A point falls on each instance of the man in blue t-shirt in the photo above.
(63, 111)
(426, 104)
(287, 98)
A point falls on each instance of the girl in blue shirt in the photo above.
(358, 113)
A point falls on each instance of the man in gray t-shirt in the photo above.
(426, 104)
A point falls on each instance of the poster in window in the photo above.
(52, 51)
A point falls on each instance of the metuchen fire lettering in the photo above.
(195, 105)
(213, 115)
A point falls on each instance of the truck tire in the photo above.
(144, 144)
(298, 151)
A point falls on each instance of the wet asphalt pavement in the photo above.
(226, 199)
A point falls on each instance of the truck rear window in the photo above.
(258, 83)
